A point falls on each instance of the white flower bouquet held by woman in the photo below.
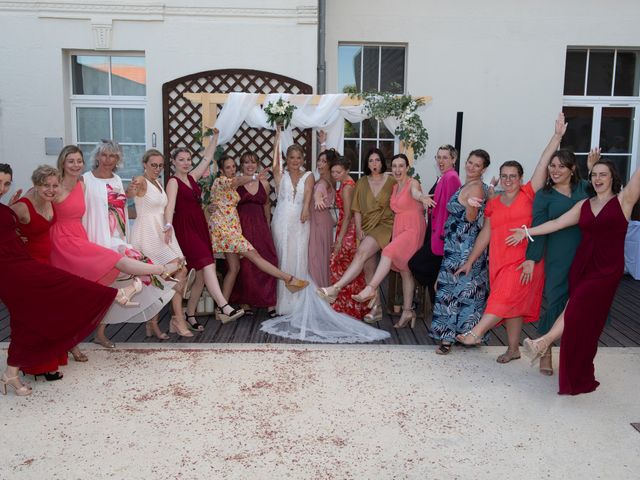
(279, 112)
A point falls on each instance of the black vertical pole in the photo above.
(458, 143)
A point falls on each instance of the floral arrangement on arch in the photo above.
(381, 105)
(279, 112)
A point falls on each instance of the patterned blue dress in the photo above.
(460, 301)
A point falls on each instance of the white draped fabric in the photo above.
(328, 115)
(96, 222)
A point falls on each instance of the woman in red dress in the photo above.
(594, 276)
(409, 228)
(346, 245)
(516, 294)
(184, 216)
(44, 322)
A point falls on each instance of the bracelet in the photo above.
(526, 232)
(167, 227)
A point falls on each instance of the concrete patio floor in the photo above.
(319, 412)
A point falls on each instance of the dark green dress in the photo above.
(557, 249)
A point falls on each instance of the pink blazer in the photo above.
(448, 185)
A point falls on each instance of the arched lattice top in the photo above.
(182, 119)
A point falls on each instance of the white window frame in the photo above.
(104, 101)
(358, 172)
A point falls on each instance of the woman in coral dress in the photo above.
(67, 309)
(515, 294)
(226, 230)
(253, 286)
(409, 228)
(346, 243)
(594, 276)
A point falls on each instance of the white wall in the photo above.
(278, 36)
(500, 62)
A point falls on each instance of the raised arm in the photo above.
(630, 194)
(172, 192)
(540, 173)
(207, 157)
(592, 158)
(276, 168)
(567, 220)
(322, 138)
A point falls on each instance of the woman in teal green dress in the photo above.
(562, 191)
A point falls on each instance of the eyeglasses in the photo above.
(155, 165)
(509, 177)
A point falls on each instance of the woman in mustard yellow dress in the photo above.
(226, 230)
(373, 218)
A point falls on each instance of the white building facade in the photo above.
(498, 71)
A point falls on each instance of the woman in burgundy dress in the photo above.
(67, 309)
(184, 216)
(594, 276)
(253, 286)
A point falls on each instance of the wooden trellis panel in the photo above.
(182, 119)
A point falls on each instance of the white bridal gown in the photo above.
(303, 315)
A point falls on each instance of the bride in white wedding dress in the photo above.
(304, 316)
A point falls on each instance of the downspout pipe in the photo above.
(322, 66)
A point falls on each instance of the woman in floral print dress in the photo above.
(225, 227)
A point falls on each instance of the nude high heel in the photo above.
(328, 294)
(20, 388)
(534, 349)
(407, 318)
(125, 294)
(371, 298)
(374, 315)
(153, 330)
(175, 327)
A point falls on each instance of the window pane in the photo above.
(578, 135)
(92, 124)
(90, 75)
(128, 125)
(87, 148)
(622, 163)
(132, 163)
(600, 72)
(574, 72)
(351, 130)
(387, 149)
(384, 131)
(349, 59)
(392, 69)
(627, 74)
(351, 153)
(128, 76)
(371, 62)
(616, 130)
(370, 128)
(581, 160)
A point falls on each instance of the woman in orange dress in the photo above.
(409, 228)
(346, 245)
(516, 292)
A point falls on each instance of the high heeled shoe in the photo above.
(295, 284)
(546, 363)
(21, 389)
(168, 269)
(193, 323)
(534, 349)
(104, 342)
(48, 376)
(234, 314)
(374, 315)
(125, 294)
(328, 294)
(175, 327)
(371, 298)
(407, 318)
(153, 330)
(78, 355)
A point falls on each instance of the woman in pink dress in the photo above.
(185, 217)
(71, 249)
(409, 228)
(321, 220)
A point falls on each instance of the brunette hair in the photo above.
(616, 179)
(43, 172)
(64, 153)
(6, 168)
(483, 154)
(383, 168)
(331, 156)
(513, 163)
(568, 159)
(402, 156)
(340, 161)
(224, 158)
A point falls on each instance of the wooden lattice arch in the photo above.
(182, 119)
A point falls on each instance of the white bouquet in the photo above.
(279, 113)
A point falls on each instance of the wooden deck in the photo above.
(622, 329)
